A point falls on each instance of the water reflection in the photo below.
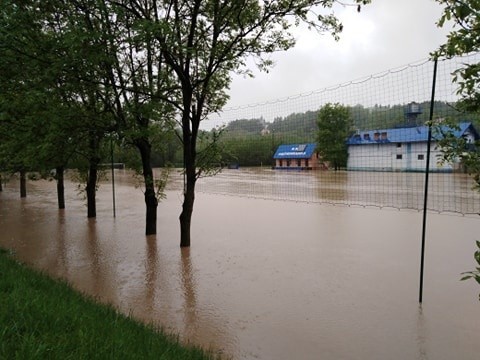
(189, 293)
(421, 335)
(94, 256)
(151, 273)
(331, 186)
(59, 255)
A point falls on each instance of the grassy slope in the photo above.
(45, 319)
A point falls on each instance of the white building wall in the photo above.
(394, 157)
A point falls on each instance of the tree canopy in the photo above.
(136, 69)
(462, 40)
(334, 127)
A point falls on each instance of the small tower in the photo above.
(411, 113)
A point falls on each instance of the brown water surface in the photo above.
(264, 279)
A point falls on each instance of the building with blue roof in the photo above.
(401, 149)
(296, 157)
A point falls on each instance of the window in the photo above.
(288, 163)
(301, 148)
(280, 163)
(299, 162)
(399, 156)
(366, 136)
(421, 157)
(306, 162)
(399, 145)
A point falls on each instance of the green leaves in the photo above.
(334, 126)
(476, 273)
(464, 39)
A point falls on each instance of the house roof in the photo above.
(295, 151)
(407, 134)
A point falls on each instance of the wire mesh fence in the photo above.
(265, 145)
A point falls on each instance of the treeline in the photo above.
(252, 142)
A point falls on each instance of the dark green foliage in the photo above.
(254, 150)
(45, 319)
(334, 127)
(245, 127)
(120, 67)
(462, 40)
(297, 125)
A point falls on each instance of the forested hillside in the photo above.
(252, 142)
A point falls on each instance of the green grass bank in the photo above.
(42, 318)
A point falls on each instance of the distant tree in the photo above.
(252, 150)
(296, 124)
(334, 127)
(245, 126)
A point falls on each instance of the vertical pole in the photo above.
(427, 173)
(113, 176)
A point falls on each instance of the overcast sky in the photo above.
(385, 35)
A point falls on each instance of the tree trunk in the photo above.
(60, 187)
(23, 183)
(151, 201)
(1, 183)
(92, 188)
(186, 215)
(188, 199)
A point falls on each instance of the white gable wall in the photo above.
(394, 157)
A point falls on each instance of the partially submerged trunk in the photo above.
(189, 158)
(23, 183)
(92, 188)
(187, 207)
(151, 201)
(60, 186)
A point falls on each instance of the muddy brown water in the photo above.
(264, 279)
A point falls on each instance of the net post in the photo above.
(427, 173)
(113, 175)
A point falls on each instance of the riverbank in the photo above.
(41, 318)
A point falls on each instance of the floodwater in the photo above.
(264, 279)
(448, 192)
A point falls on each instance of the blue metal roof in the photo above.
(408, 134)
(295, 151)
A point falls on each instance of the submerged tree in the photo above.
(203, 42)
(334, 127)
(54, 80)
(149, 61)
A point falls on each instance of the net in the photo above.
(265, 146)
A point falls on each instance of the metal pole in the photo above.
(427, 173)
(113, 176)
